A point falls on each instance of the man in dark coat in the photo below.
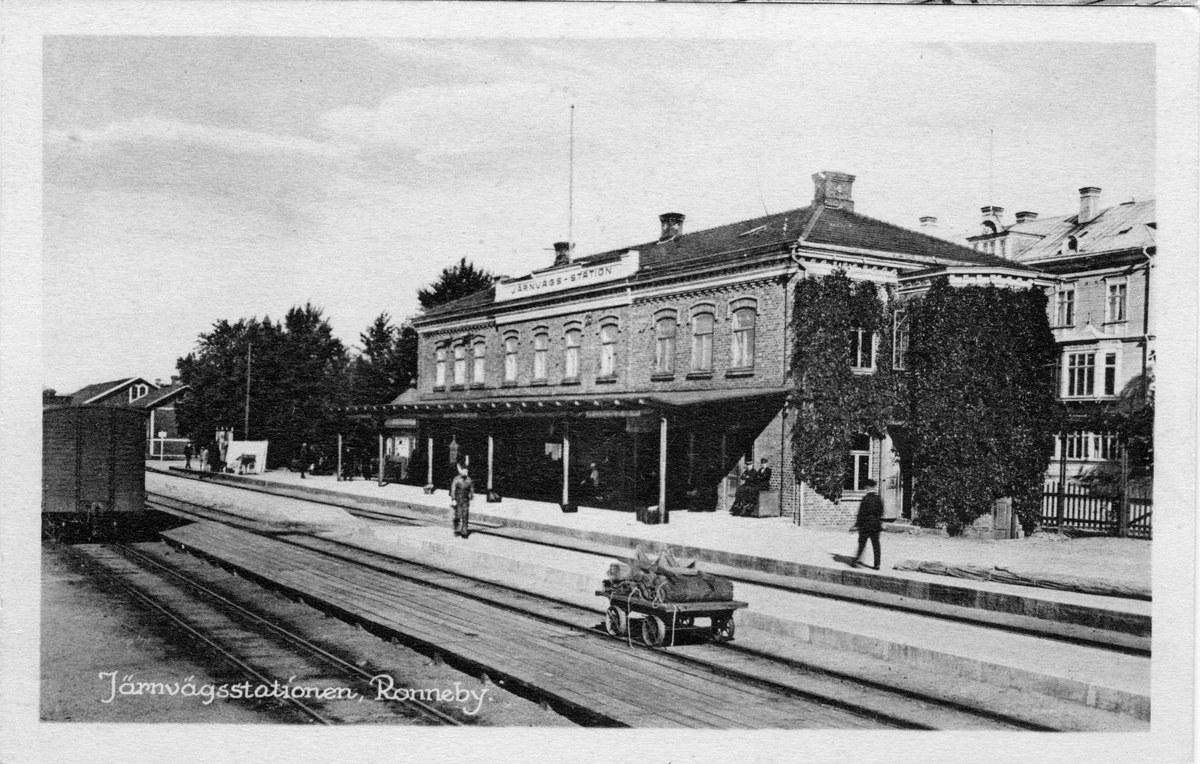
(461, 492)
(187, 455)
(305, 459)
(870, 523)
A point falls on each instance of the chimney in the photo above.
(832, 189)
(672, 225)
(1026, 217)
(562, 253)
(1089, 204)
(929, 223)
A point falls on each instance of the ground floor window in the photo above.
(858, 469)
(1088, 446)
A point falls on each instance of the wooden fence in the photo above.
(1091, 511)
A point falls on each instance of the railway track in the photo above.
(874, 702)
(316, 685)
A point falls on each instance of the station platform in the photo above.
(802, 595)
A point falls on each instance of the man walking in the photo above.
(461, 491)
(305, 458)
(187, 455)
(870, 523)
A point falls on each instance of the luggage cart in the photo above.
(657, 623)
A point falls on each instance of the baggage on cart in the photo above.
(656, 601)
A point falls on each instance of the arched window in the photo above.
(479, 356)
(1073, 244)
(702, 337)
(439, 375)
(664, 345)
(743, 338)
(541, 349)
(608, 350)
(460, 364)
(571, 357)
(138, 391)
(510, 359)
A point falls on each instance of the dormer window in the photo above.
(989, 228)
(1072, 244)
(138, 391)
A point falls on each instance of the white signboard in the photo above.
(569, 277)
(246, 456)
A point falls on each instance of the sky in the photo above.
(188, 180)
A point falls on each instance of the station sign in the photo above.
(568, 277)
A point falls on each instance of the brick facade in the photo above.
(724, 275)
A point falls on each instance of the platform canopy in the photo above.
(591, 405)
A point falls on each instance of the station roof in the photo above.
(582, 405)
(815, 224)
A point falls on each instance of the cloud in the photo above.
(154, 129)
(454, 120)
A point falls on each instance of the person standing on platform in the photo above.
(187, 455)
(305, 458)
(461, 492)
(870, 523)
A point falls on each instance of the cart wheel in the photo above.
(615, 622)
(654, 631)
(723, 628)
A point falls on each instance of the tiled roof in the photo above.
(849, 229)
(482, 297)
(84, 394)
(1123, 226)
(727, 243)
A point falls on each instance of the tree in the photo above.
(1131, 419)
(387, 365)
(833, 404)
(453, 283)
(298, 375)
(982, 413)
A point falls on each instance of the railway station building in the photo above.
(651, 375)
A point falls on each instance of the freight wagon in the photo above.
(93, 473)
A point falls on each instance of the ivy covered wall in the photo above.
(976, 395)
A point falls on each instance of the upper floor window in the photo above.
(1115, 309)
(510, 359)
(1110, 373)
(744, 320)
(1064, 307)
(664, 345)
(702, 341)
(138, 391)
(900, 333)
(460, 364)
(571, 358)
(1081, 374)
(541, 351)
(608, 350)
(479, 359)
(858, 469)
(862, 349)
(439, 374)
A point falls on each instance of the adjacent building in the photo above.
(652, 374)
(1102, 259)
(156, 398)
